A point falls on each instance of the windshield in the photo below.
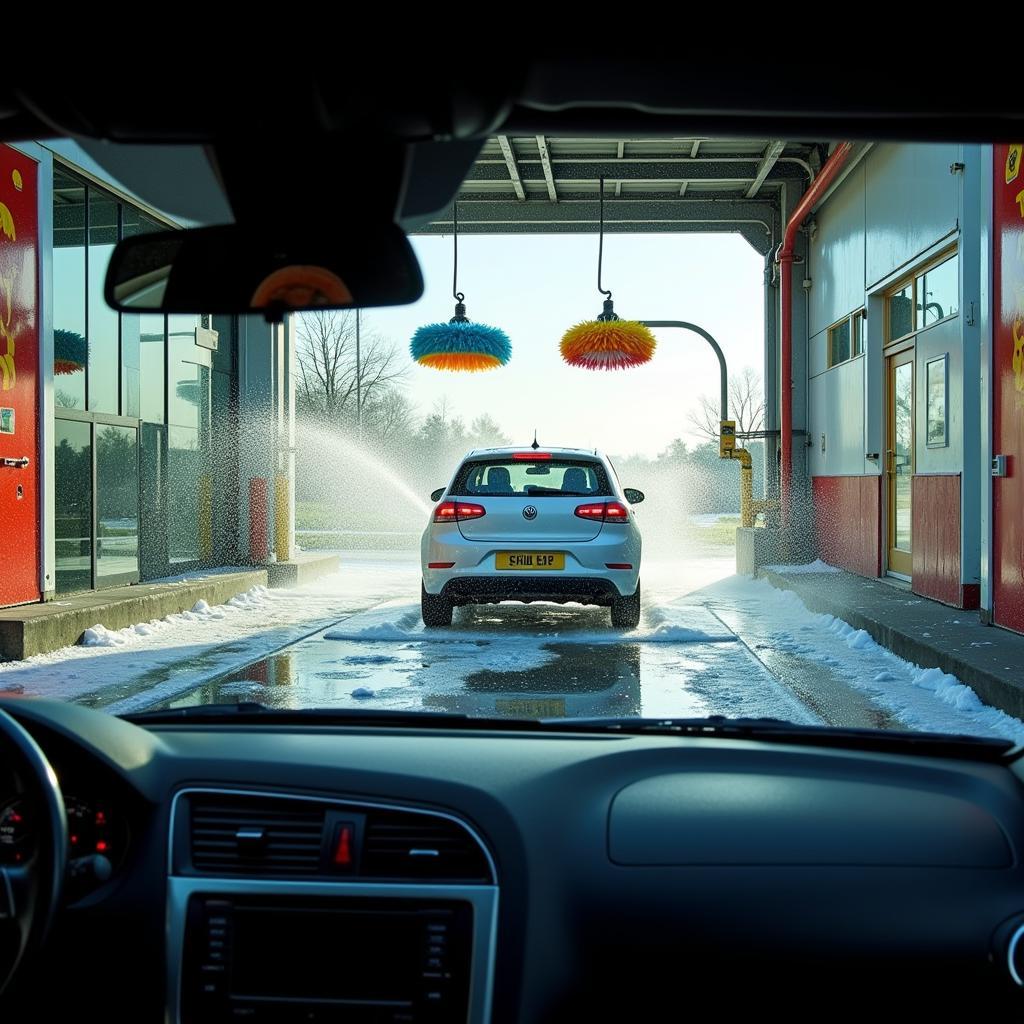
(813, 517)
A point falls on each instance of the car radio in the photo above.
(276, 958)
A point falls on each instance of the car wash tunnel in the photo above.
(876, 572)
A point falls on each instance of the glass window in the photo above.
(903, 461)
(901, 312)
(539, 479)
(935, 416)
(142, 369)
(135, 222)
(223, 357)
(839, 343)
(188, 387)
(103, 326)
(857, 337)
(152, 344)
(939, 296)
(69, 355)
(190, 497)
(152, 498)
(130, 353)
(117, 502)
(73, 505)
(225, 468)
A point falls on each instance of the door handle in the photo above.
(15, 463)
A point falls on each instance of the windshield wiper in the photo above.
(765, 730)
(251, 710)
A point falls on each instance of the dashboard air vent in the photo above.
(240, 835)
(402, 846)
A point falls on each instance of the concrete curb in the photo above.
(40, 628)
(993, 666)
(303, 568)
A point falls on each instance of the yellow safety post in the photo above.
(205, 517)
(282, 519)
(727, 450)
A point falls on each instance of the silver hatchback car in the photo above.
(520, 524)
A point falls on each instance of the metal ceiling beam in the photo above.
(758, 222)
(629, 170)
(545, 159)
(764, 168)
(513, 170)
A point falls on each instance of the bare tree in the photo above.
(390, 416)
(746, 407)
(329, 377)
(484, 432)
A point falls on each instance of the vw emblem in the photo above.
(529, 512)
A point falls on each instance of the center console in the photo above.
(320, 947)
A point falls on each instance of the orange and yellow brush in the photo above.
(608, 344)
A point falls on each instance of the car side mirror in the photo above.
(436, 495)
(633, 496)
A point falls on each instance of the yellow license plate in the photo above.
(539, 708)
(530, 560)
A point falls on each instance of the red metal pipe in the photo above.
(831, 168)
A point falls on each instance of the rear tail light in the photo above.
(457, 511)
(618, 565)
(530, 456)
(604, 512)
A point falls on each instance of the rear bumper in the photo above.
(560, 589)
(470, 566)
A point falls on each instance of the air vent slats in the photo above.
(261, 835)
(290, 836)
(399, 845)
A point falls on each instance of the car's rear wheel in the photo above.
(626, 610)
(436, 609)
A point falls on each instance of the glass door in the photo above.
(117, 504)
(900, 460)
(153, 499)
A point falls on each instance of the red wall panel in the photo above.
(936, 538)
(19, 377)
(1008, 385)
(847, 522)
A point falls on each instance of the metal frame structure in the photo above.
(539, 184)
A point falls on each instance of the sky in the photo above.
(536, 286)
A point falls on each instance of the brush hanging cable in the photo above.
(609, 342)
(460, 344)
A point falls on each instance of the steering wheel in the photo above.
(30, 892)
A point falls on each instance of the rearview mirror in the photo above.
(436, 495)
(234, 269)
(633, 496)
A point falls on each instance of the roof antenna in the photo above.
(534, 446)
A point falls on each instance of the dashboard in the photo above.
(98, 808)
(417, 874)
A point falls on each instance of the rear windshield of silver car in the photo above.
(533, 478)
